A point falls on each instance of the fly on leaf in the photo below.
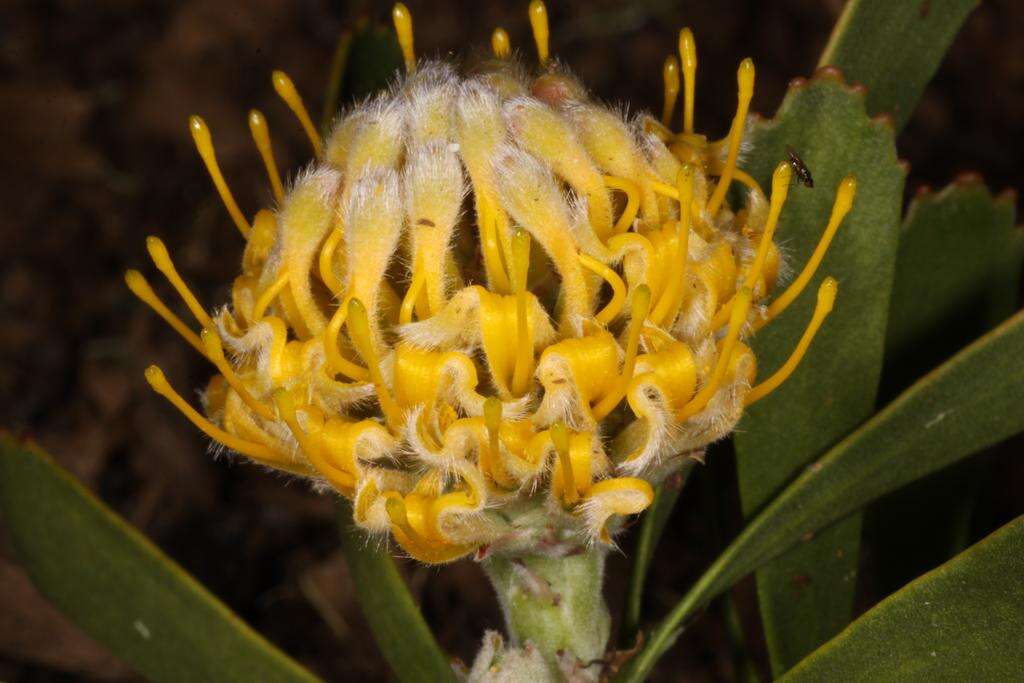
(799, 167)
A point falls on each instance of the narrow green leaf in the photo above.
(743, 664)
(374, 59)
(651, 528)
(121, 589)
(364, 60)
(960, 246)
(960, 622)
(335, 80)
(398, 626)
(969, 403)
(894, 48)
(806, 597)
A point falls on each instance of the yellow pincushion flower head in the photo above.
(493, 312)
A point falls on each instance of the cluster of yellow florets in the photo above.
(493, 312)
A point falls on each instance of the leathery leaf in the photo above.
(119, 587)
(894, 48)
(962, 247)
(806, 596)
(961, 621)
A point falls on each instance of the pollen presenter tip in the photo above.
(845, 195)
(827, 294)
(538, 13)
(203, 140)
(688, 60)
(157, 380)
(285, 89)
(402, 18)
(200, 133)
(745, 77)
(158, 252)
(687, 49)
(135, 281)
(670, 78)
(500, 43)
(781, 177)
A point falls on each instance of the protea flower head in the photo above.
(493, 312)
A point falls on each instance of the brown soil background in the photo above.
(94, 98)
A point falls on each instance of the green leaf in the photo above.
(398, 626)
(742, 663)
(894, 48)
(121, 589)
(374, 59)
(960, 622)
(806, 597)
(335, 80)
(651, 528)
(969, 403)
(959, 245)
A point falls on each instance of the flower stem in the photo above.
(555, 604)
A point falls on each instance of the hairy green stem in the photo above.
(555, 604)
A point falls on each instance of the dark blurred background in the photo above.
(94, 98)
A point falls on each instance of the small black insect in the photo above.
(803, 173)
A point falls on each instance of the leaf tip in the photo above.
(974, 180)
(968, 179)
(833, 74)
(1007, 196)
(884, 119)
(828, 72)
(21, 439)
(923, 192)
